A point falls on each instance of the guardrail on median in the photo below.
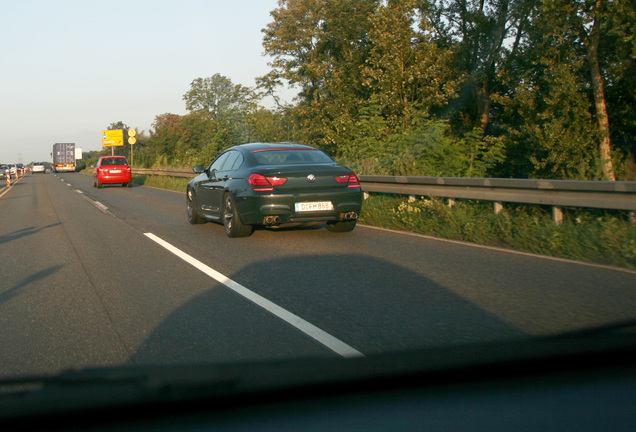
(619, 195)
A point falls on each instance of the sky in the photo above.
(71, 68)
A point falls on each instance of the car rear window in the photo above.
(115, 161)
(290, 156)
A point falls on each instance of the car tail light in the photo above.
(351, 180)
(277, 181)
(263, 183)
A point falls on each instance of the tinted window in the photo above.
(114, 161)
(218, 162)
(233, 161)
(291, 156)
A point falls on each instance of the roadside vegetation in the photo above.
(502, 89)
(505, 89)
(598, 236)
(163, 182)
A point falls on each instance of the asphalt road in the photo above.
(112, 276)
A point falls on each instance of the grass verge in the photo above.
(164, 182)
(599, 236)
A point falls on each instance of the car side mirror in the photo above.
(199, 169)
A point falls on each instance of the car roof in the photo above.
(272, 146)
(112, 157)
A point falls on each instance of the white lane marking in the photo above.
(100, 206)
(309, 329)
(97, 204)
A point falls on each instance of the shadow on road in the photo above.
(34, 278)
(372, 305)
(16, 235)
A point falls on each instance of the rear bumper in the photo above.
(253, 209)
(114, 178)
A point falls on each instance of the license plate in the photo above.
(314, 206)
(115, 171)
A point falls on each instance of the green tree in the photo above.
(555, 107)
(319, 47)
(217, 96)
(163, 141)
(406, 71)
(476, 31)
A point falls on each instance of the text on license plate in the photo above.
(115, 171)
(314, 206)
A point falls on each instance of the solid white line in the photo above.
(309, 329)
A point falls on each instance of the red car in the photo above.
(112, 170)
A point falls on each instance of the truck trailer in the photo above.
(63, 157)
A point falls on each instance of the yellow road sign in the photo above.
(132, 133)
(132, 140)
(114, 137)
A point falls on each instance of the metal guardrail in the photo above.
(618, 195)
(186, 173)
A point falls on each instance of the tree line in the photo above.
(497, 88)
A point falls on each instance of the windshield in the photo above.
(484, 154)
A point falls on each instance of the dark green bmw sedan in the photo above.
(261, 184)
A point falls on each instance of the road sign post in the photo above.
(132, 133)
(112, 138)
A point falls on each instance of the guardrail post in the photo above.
(557, 214)
(498, 206)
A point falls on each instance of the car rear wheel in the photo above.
(233, 225)
(193, 214)
(342, 226)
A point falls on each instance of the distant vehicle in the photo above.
(274, 184)
(38, 167)
(112, 170)
(63, 157)
(3, 169)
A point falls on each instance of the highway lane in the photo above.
(374, 290)
(81, 288)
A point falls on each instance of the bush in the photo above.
(590, 235)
